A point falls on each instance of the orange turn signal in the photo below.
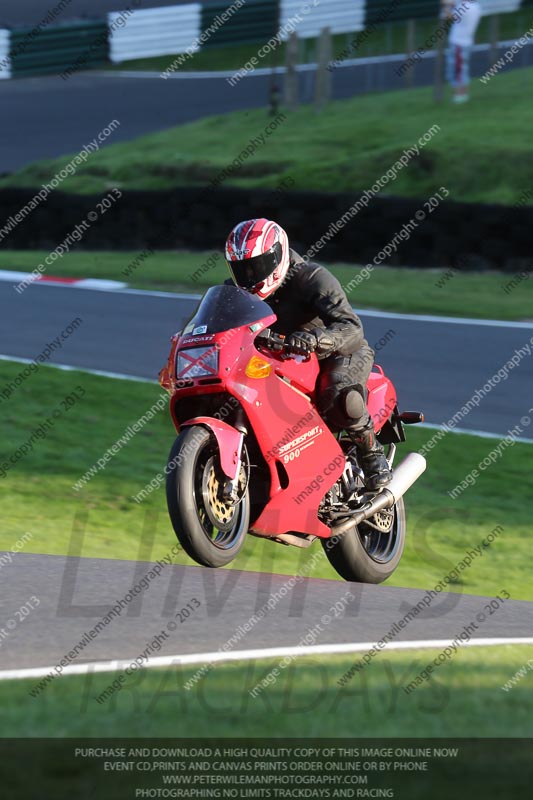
(258, 368)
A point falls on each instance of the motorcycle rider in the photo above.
(314, 313)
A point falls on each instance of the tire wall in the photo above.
(462, 235)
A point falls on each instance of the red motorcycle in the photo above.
(254, 456)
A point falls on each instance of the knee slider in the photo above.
(353, 403)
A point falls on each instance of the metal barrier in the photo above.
(155, 32)
(61, 49)
(67, 47)
(341, 16)
(5, 61)
(239, 23)
(378, 11)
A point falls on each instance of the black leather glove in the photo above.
(302, 341)
(325, 342)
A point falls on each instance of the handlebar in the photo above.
(276, 343)
(271, 340)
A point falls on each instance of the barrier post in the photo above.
(291, 76)
(494, 27)
(323, 75)
(410, 47)
(438, 87)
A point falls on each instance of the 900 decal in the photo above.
(295, 448)
(292, 455)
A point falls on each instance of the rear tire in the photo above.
(210, 531)
(364, 555)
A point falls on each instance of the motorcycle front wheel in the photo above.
(210, 530)
(365, 554)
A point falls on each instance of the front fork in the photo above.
(230, 490)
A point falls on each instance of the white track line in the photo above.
(473, 432)
(11, 276)
(88, 286)
(247, 655)
(495, 323)
(97, 284)
(151, 293)
(68, 368)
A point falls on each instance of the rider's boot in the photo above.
(371, 457)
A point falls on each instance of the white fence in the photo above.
(5, 46)
(499, 6)
(155, 32)
(173, 30)
(308, 19)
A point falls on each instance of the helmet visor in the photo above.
(248, 272)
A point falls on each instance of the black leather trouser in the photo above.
(341, 396)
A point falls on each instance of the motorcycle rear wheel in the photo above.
(210, 530)
(364, 555)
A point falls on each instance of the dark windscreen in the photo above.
(225, 307)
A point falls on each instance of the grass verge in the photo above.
(480, 153)
(490, 295)
(463, 698)
(37, 494)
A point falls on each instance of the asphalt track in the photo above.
(76, 593)
(435, 365)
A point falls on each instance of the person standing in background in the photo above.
(465, 16)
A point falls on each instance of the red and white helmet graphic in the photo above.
(257, 252)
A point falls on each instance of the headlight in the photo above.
(196, 362)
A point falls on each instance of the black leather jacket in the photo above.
(312, 299)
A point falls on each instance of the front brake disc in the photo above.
(219, 512)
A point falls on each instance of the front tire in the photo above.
(210, 530)
(365, 555)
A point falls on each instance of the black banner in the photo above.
(121, 769)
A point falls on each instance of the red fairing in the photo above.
(277, 394)
(296, 444)
(228, 440)
(381, 398)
